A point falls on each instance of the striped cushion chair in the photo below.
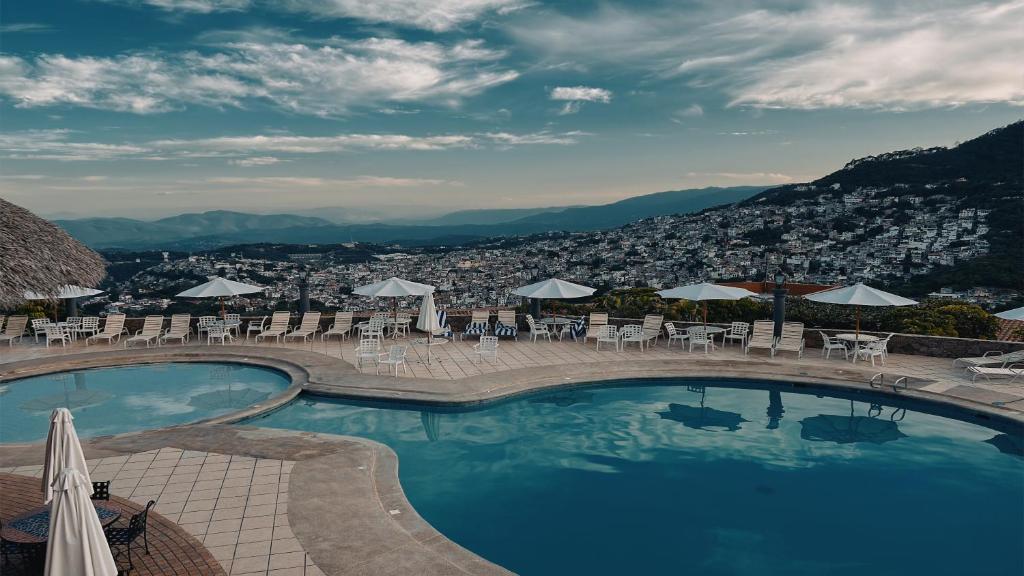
(475, 329)
(578, 329)
(442, 320)
(506, 324)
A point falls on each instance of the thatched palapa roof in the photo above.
(38, 256)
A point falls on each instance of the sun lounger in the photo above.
(991, 358)
(306, 329)
(278, 327)
(180, 328)
(150, 333)
(506, 325)
(762, 338)
(14, 330)
(342, 326)
(1013, 371)
(791, 340)
(112, 330)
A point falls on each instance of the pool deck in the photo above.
(343, 507)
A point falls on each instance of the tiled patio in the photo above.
(237, 506)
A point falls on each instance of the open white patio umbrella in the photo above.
(427, 320)
(393, 288)
(705, 291)
(859, 295)
(76, 544)
(66, 292)
(553, 289)
(1015, 314)
(220, 288)
(63, 450)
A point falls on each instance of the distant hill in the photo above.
(220, 228)
(989, 166)
(129, 233)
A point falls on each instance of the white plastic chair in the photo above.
(218, 332)
(488, 346)
(830, 343)
(368, 351)
(39, 327)
(872, 350)
(233, 322)
(699, 336)
(737, 331)
(607, 333)
(537, 330)
(394, 357)
(374, 328)
(90, 326)
(632, 333)
(53, 332)
(674, 334)
(255, 327)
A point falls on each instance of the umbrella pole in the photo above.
(705, 314)
(223, 313)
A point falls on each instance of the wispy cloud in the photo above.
(434, 15)
(746, 177)
(257, 150)
(344, 183)
(806, 54)
(574, 96)
(24, 27)
(328, 78)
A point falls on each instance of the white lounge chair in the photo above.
(180, 329)
(762, 338)
(394, 357)
(53, 332)
(597, 320)
(830, 343)
(368, 351)
(342, 326)
(791, 339)
(506, 324)
(306, 329)
(607, 333)
(278, 327)
(1013, 371)
(113, 328)
(479, 324)
(699, 336)
(14, 329)
(537, 330)
(652, 328)
(737, 331)
(488, 346)
(674, 334)
(256, 326)
(632, 333)
(152, 328)
(992, 358)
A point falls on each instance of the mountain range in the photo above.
(221, 228)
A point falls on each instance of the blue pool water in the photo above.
(723, 479)
(130, 398)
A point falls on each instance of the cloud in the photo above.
(24, 27)
(692, 111)
(576, 95)
(434, 15)
(258, 150)
(255, 161)
(338, 183)
(807, 54)
(329, 78)
(751, 177)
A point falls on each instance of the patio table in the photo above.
(428, 342)
(33, 527)
(853, 339)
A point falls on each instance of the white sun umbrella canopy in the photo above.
(63, 450)
(1015, 314)
(393, 288)
(76, 544)
(858, 295)
(220, 288)
(554, 289)
(705, 291)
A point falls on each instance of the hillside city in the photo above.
(866, 234)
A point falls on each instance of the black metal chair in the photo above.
(101, 490)
(120, 538)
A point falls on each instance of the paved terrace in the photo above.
(275, 502)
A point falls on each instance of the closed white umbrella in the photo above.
(1015, 314)
(858, 295)
(554, 289)
(393, 288)
(76, 544)
(428, 321)
(705, 291)
(63, 450)
(220, 288)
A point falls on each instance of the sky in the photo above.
(404, 108)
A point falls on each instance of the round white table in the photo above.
(429, 343)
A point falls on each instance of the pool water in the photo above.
(716, 479)
(130, 398)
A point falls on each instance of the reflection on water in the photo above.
(116, 400)
(612, 484)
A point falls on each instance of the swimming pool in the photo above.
(711, 478)
(130, 398)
